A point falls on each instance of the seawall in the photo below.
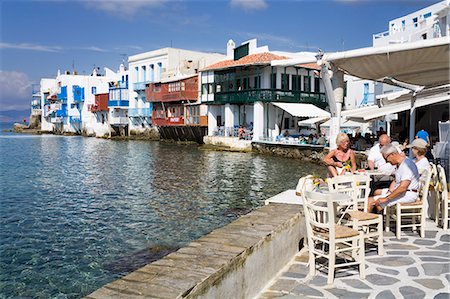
(235, 261)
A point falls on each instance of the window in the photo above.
(286, 123)
(427, 15)
(152, 72)
(296, 82)
(307, 83)
(273, 81)
(415, 22)
(245, 84)
(210, 88)
(316, 84)
(205, 88)
(93, 90)
(257, 82)
(285, 81)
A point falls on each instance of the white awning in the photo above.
(424, 63)
(312, 121)
(345, 124)
(372, 112)
(303, 110)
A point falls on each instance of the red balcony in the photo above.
(101, 103)
(174, 91)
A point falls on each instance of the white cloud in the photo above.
(15, 90)
(249, 4)
(32, 47)
(123, 8)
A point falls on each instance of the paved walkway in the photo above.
(412, 267)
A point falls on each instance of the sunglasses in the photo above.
(386, 157)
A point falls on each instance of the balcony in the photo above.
(119, 120)
(62, 95)
(139, 86)
(169, 121)
(139, 112)
(78, 94)
(36, 104)
(270, 95)
(75, 119)
(118, 103)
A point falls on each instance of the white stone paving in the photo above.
(412, 267)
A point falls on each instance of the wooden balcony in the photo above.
(270, 95)
(174, 91)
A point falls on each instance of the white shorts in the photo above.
(408, 196)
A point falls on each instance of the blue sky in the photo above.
(40, 37)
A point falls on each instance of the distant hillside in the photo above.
(14, 115)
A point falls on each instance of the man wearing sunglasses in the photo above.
(405, 187)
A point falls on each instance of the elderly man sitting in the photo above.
(405, 187)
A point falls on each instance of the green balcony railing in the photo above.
(270, 95)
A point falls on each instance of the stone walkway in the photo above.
(412, 267)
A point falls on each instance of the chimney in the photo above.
(230, 49)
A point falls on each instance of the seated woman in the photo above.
(419, 150)
(342, 159)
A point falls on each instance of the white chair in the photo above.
(358, 186)
(442, 203)
(329, 240)
(413, 211)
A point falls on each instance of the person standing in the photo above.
(422, 134)
(405, 187)
(342, 159)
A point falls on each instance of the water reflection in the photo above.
(75, 209)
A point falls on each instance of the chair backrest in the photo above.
(319, 213)
(434, 174)
(362, 189)
(442, 179)
(425, 180)
(343, 184)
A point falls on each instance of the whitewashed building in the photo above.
(245, 90)
(66, 102)
(156, 66)
(430, 22)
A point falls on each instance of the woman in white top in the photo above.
(419, 150)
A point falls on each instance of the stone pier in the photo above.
(235, 261)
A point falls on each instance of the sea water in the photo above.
(77, 213)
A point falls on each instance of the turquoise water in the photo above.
(77, 213)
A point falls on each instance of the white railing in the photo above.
(121, 120)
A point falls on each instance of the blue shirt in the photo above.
(423, 135)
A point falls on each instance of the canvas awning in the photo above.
(312, 121)
(424, 63)
(403, 103)
(345, 124)
(302, 110)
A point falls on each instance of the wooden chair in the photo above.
(358, 186)
(442, 203)
(413, 211)
(329, 240)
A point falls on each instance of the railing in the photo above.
(381, 34)
(120, 120)
(119, 85)
(118, 103)
(233, 132)
(56, 119)
(139, 86)
(75, 119)
(61, 113)
(270, 95)
(36, 103)
(139, 112)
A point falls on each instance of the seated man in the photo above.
(405, 188)
(376, 161)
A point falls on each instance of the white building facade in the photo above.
(155, 66)
(242, 90)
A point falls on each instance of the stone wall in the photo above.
(228, 143)
(235, 261)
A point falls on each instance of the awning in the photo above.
(424, 63)
(345, 124)
(402, 104)
(302, 110)
(311, 121)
